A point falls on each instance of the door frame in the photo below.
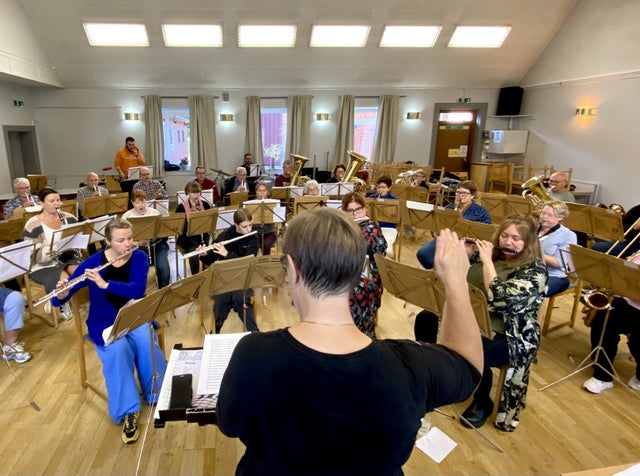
(480, 109)
(31, 130)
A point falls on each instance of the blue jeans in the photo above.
(556, 285)
(161, 261)
(603, 246)
(427, 254)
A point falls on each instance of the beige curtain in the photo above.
(384, 147)
(203, 132)
(253, 130)
(299, 125)
(153, 134)
(344, 133)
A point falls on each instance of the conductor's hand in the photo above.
(94, 275)
(59, 285)
(451, 261)
(220, 249)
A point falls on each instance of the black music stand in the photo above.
(615, 275)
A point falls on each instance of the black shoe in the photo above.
(476, 415)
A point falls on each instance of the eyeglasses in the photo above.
(353, 211)
(463, 193)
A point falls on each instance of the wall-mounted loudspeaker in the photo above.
(509, 101)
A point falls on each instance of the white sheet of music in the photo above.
(180, 362)
(419, 206)
(337, 204)
(216, 354)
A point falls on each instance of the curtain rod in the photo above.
(178, 97)
(276, 97)
(372, 97)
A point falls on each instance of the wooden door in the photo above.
(454, 145)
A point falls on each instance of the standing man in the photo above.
(206, 183)
(128, 156)
(23, 198)
(151, 187)
(247, 160)
(90, 189)
(558, 183)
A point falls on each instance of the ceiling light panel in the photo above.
(409, 36)
(116, 34)
(192, 36)
(339, 36)
(479, 36)
(266, 36)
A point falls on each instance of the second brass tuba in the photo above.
(356, 161)
(535, 191)
(298, 163)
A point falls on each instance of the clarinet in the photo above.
(62, 217)
(197, 206)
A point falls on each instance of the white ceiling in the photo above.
(59, 24)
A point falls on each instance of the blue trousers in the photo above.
(161, 261)
(556, 285)
(12, 308)
(120, 360)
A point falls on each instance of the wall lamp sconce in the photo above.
(323, 116)
(226, 117)
(412, 116)
(582, 112)
(131, 116)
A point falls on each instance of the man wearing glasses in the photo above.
(558, 188)
(151, 187)
(463, 204)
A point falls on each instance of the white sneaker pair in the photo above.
(594, 385)
(16, 353)
(634, 383)
(65, 311)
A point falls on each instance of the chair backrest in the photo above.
(500, 177)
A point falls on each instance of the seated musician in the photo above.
(239, 301)
(123, 277)
(311, 189)
(558, 183)
(206, 183)
(266, 233)
(157, 249)
(554, 238)
(284, 179)
(152, 188)
(88, 190)
(48, 263)
(631, 242)
(624, 318)
(419, 179)
(193, 203)
(12, 305)
(469, 210)
(320, 397)
(239, 183)
(389, 230)
(509, 271)
(23, 198)
(337, 173)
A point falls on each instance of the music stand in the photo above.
(161, 205)
(94, 227)
(37, 182)
(134, 172)
(172, 225)
(266, 212)
(70, 237)
(12, 229)
(617, 276)
(280, 193)
(409, 192)
(225, 218)
(105, 205)
(606, 223)
(384, 210)
(474, 229)
(303, 204)
(330, 189)
(206, 195)
(517, 204)
(494, 203)
(202, 222)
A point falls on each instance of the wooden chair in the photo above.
(434, 190)
(537, 171)
(500, 178)
(34, 292)
(519, 175)
(574, 290)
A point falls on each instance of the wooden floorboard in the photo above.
(563, 428)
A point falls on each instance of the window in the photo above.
(176, 128)
(364, 129)
(274, 136)
(456, 116)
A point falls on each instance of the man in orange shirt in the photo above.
(128, 156)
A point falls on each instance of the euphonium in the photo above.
(298, 162)
(535, 191)
(356, 161)
(406, 177)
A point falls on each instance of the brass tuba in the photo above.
(356, 161)
(535, 191)
(298, 163)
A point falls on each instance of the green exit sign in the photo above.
(17, 103)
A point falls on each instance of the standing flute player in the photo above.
(110, 289)
(321, 397)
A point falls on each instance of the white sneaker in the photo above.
(65, 311)
(634, 383)
(47, 308)
(594, 385)
(16, 353)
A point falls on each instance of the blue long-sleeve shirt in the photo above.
(475, 212)
(102, 311)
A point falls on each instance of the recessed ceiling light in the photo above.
(409, 36)
(266, 36)
(116, 34)
(192, 35)
(479, 36)
(339, 36)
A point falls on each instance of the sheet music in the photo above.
(215, 359)
(337, 204)
(77, 241)
(328, 189)
(99, 224)
(161, 205)
(427, 207)
(134, 172)
(206, 195)
(18, 258)
(346, 187)
(295, 191)
(264, 200)
(180, 362)
(225, 219)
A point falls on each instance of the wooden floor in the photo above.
(562, 429)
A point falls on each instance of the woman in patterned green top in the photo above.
(509, 270)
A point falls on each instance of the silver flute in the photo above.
(69, 284)
(210, 247)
